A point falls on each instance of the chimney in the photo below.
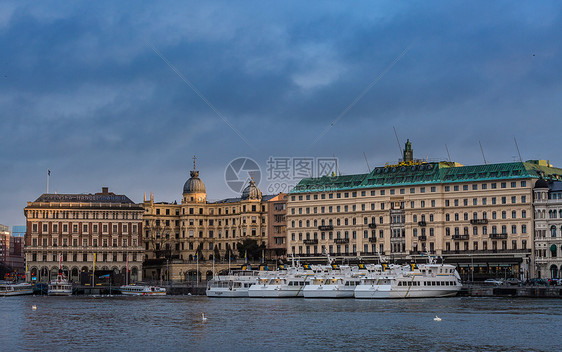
(105, 190)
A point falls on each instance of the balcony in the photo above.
(372, 239)
(372, 226)
(341, 240)
(422, 238)
(460, 237)
(498, 236)
(325, 227)
(312, 241)
(478, 221)
(422, 223)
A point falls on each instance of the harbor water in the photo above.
(174, 323)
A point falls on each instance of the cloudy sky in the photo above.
(122, 95)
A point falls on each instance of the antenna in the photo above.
(482, 150)
(368, 167)
(448, 155)
(398, 141)
(516, 146)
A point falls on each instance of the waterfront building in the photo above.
(81, 229)
(548, 228)
(479, 217)
(277, 227)
(183, 241)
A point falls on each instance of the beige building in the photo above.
(75, 228)
(184, 241)
(548, 228)
(477, 217)
(277, 227)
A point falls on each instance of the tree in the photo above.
(250, 248)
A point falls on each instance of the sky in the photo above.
(124, 94)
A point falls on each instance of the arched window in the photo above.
(553, 231)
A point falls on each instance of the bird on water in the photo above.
(203, 317)
(437, 318)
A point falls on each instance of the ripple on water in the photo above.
(174, 323)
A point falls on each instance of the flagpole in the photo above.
(48, 176)
(94, 272)
(127, 273)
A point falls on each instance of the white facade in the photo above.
(548, 228)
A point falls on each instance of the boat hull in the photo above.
(273, 292)
(313, 291)
(385, 291)
(227, 293)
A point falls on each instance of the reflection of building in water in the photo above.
(78, 227)
(548, 228)
(178, 236)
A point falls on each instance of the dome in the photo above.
(541, 183)
(251, 192)
(194, 184)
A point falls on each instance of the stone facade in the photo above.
(477, 217)
(277, 227)
(183, 241)
(548, 228)
(75, 228)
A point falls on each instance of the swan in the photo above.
(203, 317)
(437, 318)
(34, 307)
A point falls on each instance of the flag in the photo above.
(94, 262)
(48, 172)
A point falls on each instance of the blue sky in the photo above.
(83, 93)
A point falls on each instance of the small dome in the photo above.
(541, 183)
(251, 191)
(194, 184)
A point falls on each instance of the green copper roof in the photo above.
(427, 173)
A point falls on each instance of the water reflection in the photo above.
(174, 323)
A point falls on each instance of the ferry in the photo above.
(236, 284)
(60, 286)
(411, 281)
(335, 284)
(13, 289)
(142, 290)
(282, 283)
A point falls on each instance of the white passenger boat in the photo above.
(333, 284)
(282, 283)
(60, 286)
(234, 285)
(13, 289)
(411, 281)
(142, 290)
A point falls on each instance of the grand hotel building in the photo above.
(80, 229)
(478, 217)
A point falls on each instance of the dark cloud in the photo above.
(84, 94)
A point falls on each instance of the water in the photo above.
(85, 323)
